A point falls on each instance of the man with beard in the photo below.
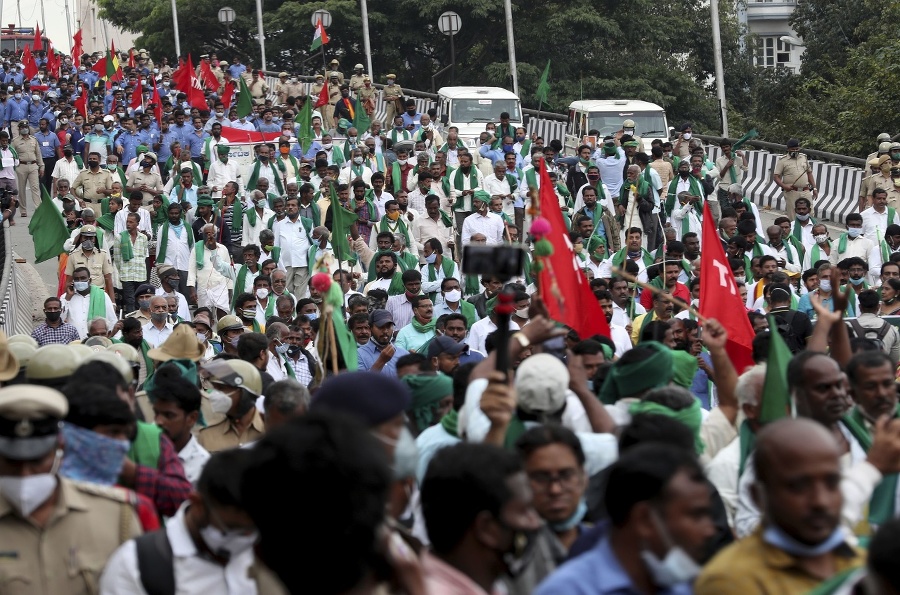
(618, 334)
(768, 266)
(482, 221)
(663, 310)
(387, 274)
(380, 354)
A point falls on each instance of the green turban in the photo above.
(631, 143)
(223, 149)
(427, 391)
(685, 366)
(141, 149)
(482, 196)
(595, 246)
(627, 379)
(343, 123)
(691, 417)
(205, 200)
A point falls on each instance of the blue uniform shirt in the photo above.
(368, 355)
(48, 143)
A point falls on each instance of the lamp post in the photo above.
(324, 16)
(511, 43)
(175, 27)
(261, 33)
(449, 24)
(226, 17)
(717, 54)
(367, 47)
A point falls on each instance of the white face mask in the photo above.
(523, 313)
(825, 285)
(27, 493)
(820, 238)
(327, 146)
(677, 567)
(357, 160)
(687, 136)
(352, 139)
(454, 295)
(227, 544)
(219, 402)
(262, 293)
(81, 285)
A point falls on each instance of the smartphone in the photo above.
(555, 347)
(503, 261)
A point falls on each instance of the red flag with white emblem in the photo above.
(720, 299)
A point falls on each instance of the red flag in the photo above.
(81, 103)
(179, 76)
(236, 136)
(137, 96)
(563, 285)
(228, 94)
(30, 68)
(100, 67)
(323, 95)
(720, 299)
(157, 103)
(190, 85)
(38, 42)
(76, 49)
(207, 76)
(53, 62)
(131, 61)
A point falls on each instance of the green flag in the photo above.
(304, 125)
(245, 102)
(776, 398)
(361, 120)
(543, 86)
(48, 229)
(341, 220)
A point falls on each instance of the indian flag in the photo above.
(320, 38)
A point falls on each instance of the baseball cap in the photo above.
(380, 318)
(444, 344)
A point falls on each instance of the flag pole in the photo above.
(657, 291)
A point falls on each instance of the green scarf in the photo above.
(274, 254)
(881, 506)
(423, 328)
(748, 444)
(126, 250)
(239, 283)
(97, 303)
(842, 243)
(473, 285)
(447, 266)
(163, 240)
(627, 380)
(797, 230)
(691, 417)
(237, 215)
(671, 197)
(620, 256)
(397, 177)
(106, 222)
(254, 176)
(199, 251)
(459, 183)
(401, 228)
(643, 189)
(815, 254)
(450, 423)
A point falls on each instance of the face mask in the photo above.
(854, 232)
(201, 337)
(687, 136)
(18, 96)
(281, 349)
(227, 544)
(144, 304)
(507, 148)
(261, 294)
(248, 314)
(219, 401)
(312, 315)
(159, 316)
(793, 154)
(146, 164)
(677, 567)
(781, 540)
(263, 158)
(578, 248)
(523, 313)
(683, 174)
(454, 295)
(327, 146)
(93, 164)
(393, 216)
(27, 493)
(92, 457)
(741, 279)
(820, 238)
(825, 285)
(572, 521)
(431, 258)
(352, 139)
(293, 350)
(358, 160)
(857, 282)
(81, 285)
(220, 114)
(52, 316)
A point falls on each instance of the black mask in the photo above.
(93, 164)
(683, 174)
(53, 316)
(293, 350)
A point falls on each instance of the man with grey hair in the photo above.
(210, 274)
(256, 219)
(98, 327)
(285, 400)
(725, 468)
(503, 186)
(277, 366)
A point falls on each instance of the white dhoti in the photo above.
(214, 297)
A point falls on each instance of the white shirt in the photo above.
(156, 336)
(294, 242)
(872, 219)
(496, 187)
(193, 573)
(432, 286)
(250, 233)
(193, 458)
(489, 224)
(220, 174)
(178, 252)
(481, 329)
(866, 249)
(620, 317)
(75, 312)
(783, 253)
(380, 201)
(621, 338)
(275, 367)
(66, 170)
(183, 310)
(143, 225)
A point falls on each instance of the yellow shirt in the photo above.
(753, 567)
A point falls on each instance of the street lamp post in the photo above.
(175, 27)
(511, 44)
(261, 33)
(449, 24)
(717, 55)
(366, 43)
(324, 16)
(226, 17)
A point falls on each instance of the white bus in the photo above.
(607, 116)
(471, 108)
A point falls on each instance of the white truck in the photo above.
(471, 108)
(608, 115)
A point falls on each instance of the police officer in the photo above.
(334, 95)
(793, 174)
(317, 86)
(883, 138)
(392, 93)
(30, 168)
(356, 81)
(55, 534)
(237, 384)
(335, 67)
(365, 96)
(51, 366)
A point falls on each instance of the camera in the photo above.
(6, 198)
(504, 261)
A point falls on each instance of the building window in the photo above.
(772, 52)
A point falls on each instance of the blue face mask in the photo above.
(572, 521)
(431, 258)
(92, 457)
(854, 232)
(775, 536)
(312, 315)
(857, 281)
(507, 148)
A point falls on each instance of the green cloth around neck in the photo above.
(690, 416)
(625, 380)
(427, 391)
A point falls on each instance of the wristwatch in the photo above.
(522, 339)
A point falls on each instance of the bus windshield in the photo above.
(464, 111)
(651, 124)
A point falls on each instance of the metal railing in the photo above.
(775, 147)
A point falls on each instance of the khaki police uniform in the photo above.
(356, 82)
(317, 87)
(28, 170)
(334, 95)
(97, 263)
(793, 172)
(893, 197)
(294, 90)
(88, 182)
(67, 551)
(366, 98)
(334, 67)
(223, 436)
(392, 93)
(258, 90)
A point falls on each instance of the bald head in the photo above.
(783, 439)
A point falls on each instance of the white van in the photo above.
(471, 108)
(607, 116)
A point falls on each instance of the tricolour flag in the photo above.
(320, 37)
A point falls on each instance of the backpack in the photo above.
(155, 563)
(875, 335)
(786, 329)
